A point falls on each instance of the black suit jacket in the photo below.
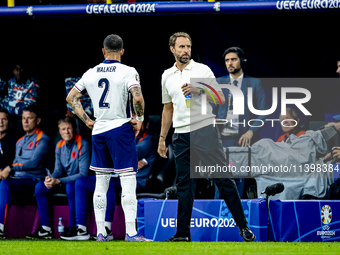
(259, 102)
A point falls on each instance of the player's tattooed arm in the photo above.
(83, 118)
(138, 106)
(73, 99)
(75, 102)
(136, 91)
(139, 109)
(138, 100)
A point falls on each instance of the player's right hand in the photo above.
(90, 123)
(162, 149)
(136, 125)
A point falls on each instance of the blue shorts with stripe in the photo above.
(114, 150)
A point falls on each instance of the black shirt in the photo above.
(8, 150)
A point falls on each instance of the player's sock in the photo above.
(99, 200)
(82, 227)
(2, 226)
(108, 224)
(47, 228)
(129, 201)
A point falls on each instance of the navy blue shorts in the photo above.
(114, 150)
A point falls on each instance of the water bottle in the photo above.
(60, 226)
(188, 101)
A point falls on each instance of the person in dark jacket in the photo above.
(32, 157)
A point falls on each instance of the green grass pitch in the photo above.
(27, 247)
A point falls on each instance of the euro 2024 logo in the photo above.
(217, 6)
(326, 214)
(326, 218)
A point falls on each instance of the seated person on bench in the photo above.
(32, 157)
(72, 159)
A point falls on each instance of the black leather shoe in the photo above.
(247, 235)
(179, 239)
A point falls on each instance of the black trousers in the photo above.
(201, 145)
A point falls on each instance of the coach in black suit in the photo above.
(241, 134)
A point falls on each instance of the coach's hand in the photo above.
(187, 89)
(162, 149)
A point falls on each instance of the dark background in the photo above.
(276, 45)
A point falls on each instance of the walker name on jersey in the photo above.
(119, 8)
(105, 69)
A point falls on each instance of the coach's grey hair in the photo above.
(113, 43)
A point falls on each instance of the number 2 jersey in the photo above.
(108, 86)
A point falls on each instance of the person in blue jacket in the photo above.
(22, 91)
(32, 157)
(146, 147)
(240, 134)
(72, 160)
